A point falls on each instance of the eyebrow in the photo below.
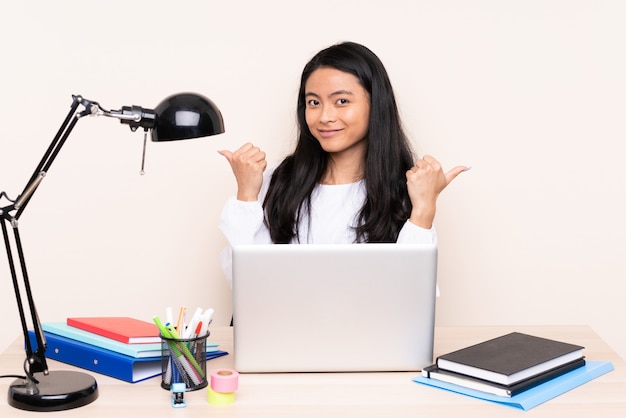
(335, 93)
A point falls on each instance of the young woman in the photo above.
(352, 177)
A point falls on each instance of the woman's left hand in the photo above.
(425, 181)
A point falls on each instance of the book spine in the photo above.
(544, 377)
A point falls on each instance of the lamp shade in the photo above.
(186, 116)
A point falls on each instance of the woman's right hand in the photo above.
(248, 164)
(425, 181)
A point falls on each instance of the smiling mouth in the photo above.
(327, 133)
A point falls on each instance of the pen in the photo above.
(198, 329)
(199, 347)
(188, 332)
(181, 319)
(206, 321)
(162, 328)
(174, 353)
(185, 351)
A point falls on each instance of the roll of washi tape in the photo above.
(217, 398)
(224, 380)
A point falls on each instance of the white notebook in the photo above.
(334, 308)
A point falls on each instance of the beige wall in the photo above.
(532, 94)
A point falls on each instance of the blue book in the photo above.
(133, 350)
(536, 395)
(100, 360)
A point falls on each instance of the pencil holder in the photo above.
(183, 360)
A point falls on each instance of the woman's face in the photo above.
(337, 110)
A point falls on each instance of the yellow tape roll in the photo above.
(216, 398)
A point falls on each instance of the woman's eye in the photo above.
(313, 102)
(342, 101)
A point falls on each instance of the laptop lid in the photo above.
(335, 307)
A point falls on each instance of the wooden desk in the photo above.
(346, 394)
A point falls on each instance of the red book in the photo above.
(122, 328)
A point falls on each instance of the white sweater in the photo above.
(333, 212)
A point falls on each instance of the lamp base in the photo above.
(57, 391)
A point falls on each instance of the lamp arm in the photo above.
(35, 364)
(35, 360)
(135, 117)
(48, 158)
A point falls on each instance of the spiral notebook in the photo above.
(333, 308)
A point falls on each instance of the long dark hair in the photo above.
(388, 156)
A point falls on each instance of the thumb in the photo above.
(227, 154)
(451, 175)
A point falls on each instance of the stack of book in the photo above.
(515, 369)
(121, 347)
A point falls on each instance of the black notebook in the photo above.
(510, 358)
(434, 372)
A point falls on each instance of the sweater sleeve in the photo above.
(413, 234)
(241, 223)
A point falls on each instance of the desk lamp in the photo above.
(180, 116)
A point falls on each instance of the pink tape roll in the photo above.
(224, 380)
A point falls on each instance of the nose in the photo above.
(328, 115)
